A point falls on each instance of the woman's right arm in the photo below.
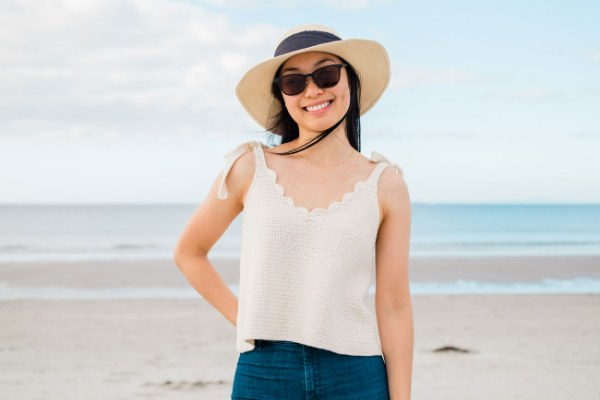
(207, 224)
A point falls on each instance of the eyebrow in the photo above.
(322, 61)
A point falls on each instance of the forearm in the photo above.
(203, 277)
(396, 331)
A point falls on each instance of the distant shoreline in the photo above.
(428, 275)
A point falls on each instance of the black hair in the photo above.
(285, 126)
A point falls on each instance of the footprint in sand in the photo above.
(187, 385)
(451, 349)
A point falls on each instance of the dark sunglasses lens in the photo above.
(328, 76)
(292, 84)
(324, 77)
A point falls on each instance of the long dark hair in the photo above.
(283, 124)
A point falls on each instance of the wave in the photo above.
(497, 243)
(130, 246)
(17, 252)
(546, 286)
(14, 247)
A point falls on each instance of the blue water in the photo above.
(506, 229)
(119, 232)
(88, 232)
(459, 287)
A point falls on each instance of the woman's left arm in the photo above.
(392, 296)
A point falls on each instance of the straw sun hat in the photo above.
(368, 58)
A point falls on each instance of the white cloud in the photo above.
(583, 135)
(342, 5)
(238, 4)
(531, 94)
(412, 76)
(115, 67)
(351, 5)
(594, 55)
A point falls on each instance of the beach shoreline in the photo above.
(515, 346)
(164, 272)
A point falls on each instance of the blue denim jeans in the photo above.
(285, 370)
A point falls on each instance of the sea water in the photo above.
(90, 232)
(71, 233)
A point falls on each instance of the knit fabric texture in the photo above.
(304, 274)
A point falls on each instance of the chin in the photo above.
(320, 126)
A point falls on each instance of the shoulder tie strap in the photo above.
(378, 157)
(230, 158)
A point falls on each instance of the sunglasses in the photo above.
(324, 77)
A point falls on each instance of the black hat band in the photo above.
(303, 40)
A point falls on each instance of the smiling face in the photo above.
(316, 109)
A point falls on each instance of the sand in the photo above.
(518, 346)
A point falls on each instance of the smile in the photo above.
(318, 107)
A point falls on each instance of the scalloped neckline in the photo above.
(317, 210)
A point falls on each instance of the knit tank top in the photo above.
(304, 274)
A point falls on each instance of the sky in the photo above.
(133, 101)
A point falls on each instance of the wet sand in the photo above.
(515, 346)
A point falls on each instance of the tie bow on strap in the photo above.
(378, 157)
(230, 160)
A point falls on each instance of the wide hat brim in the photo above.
(368, 58)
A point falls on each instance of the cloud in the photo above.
(412, 76)
(352, 5)
(237, 4)
(593, 55)
(531, 95)
(583, 134)
(340, 5)
(121, 67)
(429, 134)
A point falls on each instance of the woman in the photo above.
(317, 215)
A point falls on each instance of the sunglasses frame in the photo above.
(339, 66)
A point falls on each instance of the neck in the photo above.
(331, 149)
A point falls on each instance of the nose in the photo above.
(311, 89)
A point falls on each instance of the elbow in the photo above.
(394, 305)
(184, 257)
(181, 257)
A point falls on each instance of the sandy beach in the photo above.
(525, 346)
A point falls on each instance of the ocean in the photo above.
(91, 232)
(72, 233)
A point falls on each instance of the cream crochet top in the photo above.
(304, 274)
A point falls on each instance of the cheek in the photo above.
(292, 107)
(343, 92)
(344, 96)
(287, 102)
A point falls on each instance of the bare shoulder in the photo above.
(240, 176)
(244, 161)
(394, 194)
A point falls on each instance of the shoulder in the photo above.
(243, 164)
(394, 193)
(238, 171)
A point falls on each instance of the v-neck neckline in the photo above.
(316, 210)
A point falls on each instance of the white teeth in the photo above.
(318, 107)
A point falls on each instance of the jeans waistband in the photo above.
(260, 343)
